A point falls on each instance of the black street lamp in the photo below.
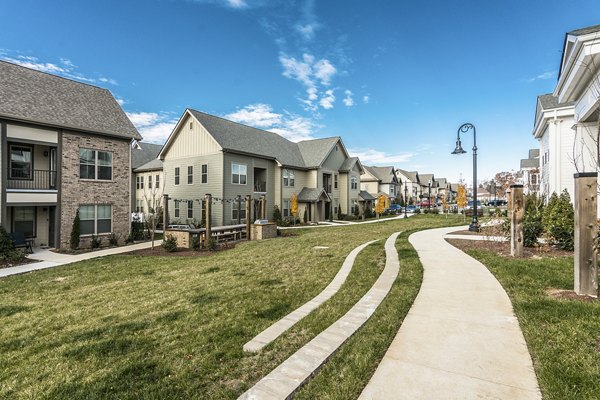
(405, 199)
(474, 227)
(429, 198)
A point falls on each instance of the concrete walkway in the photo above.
(284, 381)
(460, 339)
(49, 259)
(335, 222)
(279, 327)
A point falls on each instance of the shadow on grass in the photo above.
(7, 311)
(275, 312)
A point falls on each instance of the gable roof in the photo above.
(314, 152)
(426, 178)
(384, 174)
(585, 31)
(442, 182)
(33, 96)
(549, 102)
(412, 176)
(363, 194)
(144, 153)
(308, 195)
(152, 165)
(348, 164)
(240, 138)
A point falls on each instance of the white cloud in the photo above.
(327, 101)
(348, 100)
(543, 76)
(313, 74)
(307, 31)
(64, 68)
(289, 125)
(237, 3)
(377, 157)
(257, 115)
(366, 99)
(154, 127)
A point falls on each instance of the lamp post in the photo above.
(405, 199)
(429, 198)
(474, 227)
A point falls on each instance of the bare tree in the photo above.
(153, 200)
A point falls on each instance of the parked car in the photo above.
(394, 209)
(496, 203)
(411, 209)
(470, 204)
(424, 203)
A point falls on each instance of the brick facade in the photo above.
(75, 192)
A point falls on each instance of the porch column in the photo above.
(586, 230)
(314, 211)
(3, 174)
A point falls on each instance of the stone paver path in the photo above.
(279, 327)
(460, 339)
(50, 259)
(284, 380)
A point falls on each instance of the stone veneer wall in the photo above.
(75, 192)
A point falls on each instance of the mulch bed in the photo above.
(6, 264)
(570, 295)
(158, 251)
(503, 248)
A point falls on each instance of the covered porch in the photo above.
(36, 222)
(317, 203)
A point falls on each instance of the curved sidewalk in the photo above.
(460, 339)
(285, 323)
(284, 380)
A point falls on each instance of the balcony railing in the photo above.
(327, 188)
(31, 180)
(260, 187)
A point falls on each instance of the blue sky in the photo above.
(395, 79)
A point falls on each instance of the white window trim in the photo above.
(188, 175)
(112, 222)
(202, 174)
(176, 176)
(239, 175)
(243, 216)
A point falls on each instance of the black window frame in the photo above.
(31, 168)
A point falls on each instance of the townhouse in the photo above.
(206, 154)
(64, 148)
(380, 180)
(566, 120)
(411, 184)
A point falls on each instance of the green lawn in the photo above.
(563, 336)
(157, 328)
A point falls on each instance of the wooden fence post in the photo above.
(239, 207)
(516, 220)
(248, 215)
(263, 207)
(586, 230)
(165, 212)
(208, 222)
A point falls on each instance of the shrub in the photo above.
(558, 221)
(137, 228)
(96, 242)
(339, 212)
(75, 232)
(532, 220)
(368, 213)
(169, 243)
(435, 210)
(426, 211)
(355, 211)
(7, 250)
(113, 240)
(195, 243)
(417, 211)
(305, 218)
(211, 244)
(455, 210)
(277, 214)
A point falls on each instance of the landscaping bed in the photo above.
(562, 329)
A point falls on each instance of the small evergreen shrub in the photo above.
(277, 214)
(113, 240)
(305, 218)
(435, 211)
(339, 212)
(426, 211)
(75, 232)
(7, 249)
(211, 244)
(368, 213)
(96, 242)
(532, 220)
(195, 243)
(558, 220)
(169, 243)
(418, 211)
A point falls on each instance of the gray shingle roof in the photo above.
(144, 154)
(348, 164)
(384, 174)
(38, 97)
(534, 153)
(441, 182)
(308, 195)
(530, 163)
(366, 195)
(245, 139)
(413, 176)
(315, 151)
(549, 101)
(152, 165)
(585, 31)
(425, 178)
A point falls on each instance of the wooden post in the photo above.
(516, 220)
(208, 222)
(263, 207)
(239, 206)
(586, 230)
(165, 212)
(248, 215)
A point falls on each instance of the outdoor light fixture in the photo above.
(474, 227)
(429, 198)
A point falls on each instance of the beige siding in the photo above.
(42, 217)
(312, 178)
(371, 187)
(344, 185)
(335, 159)
(353, 194)
(277, 182)
(196, 190)
(191, 142)
(149, 195)
(231, 190)
(300, 182)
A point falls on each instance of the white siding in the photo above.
(191, 142)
